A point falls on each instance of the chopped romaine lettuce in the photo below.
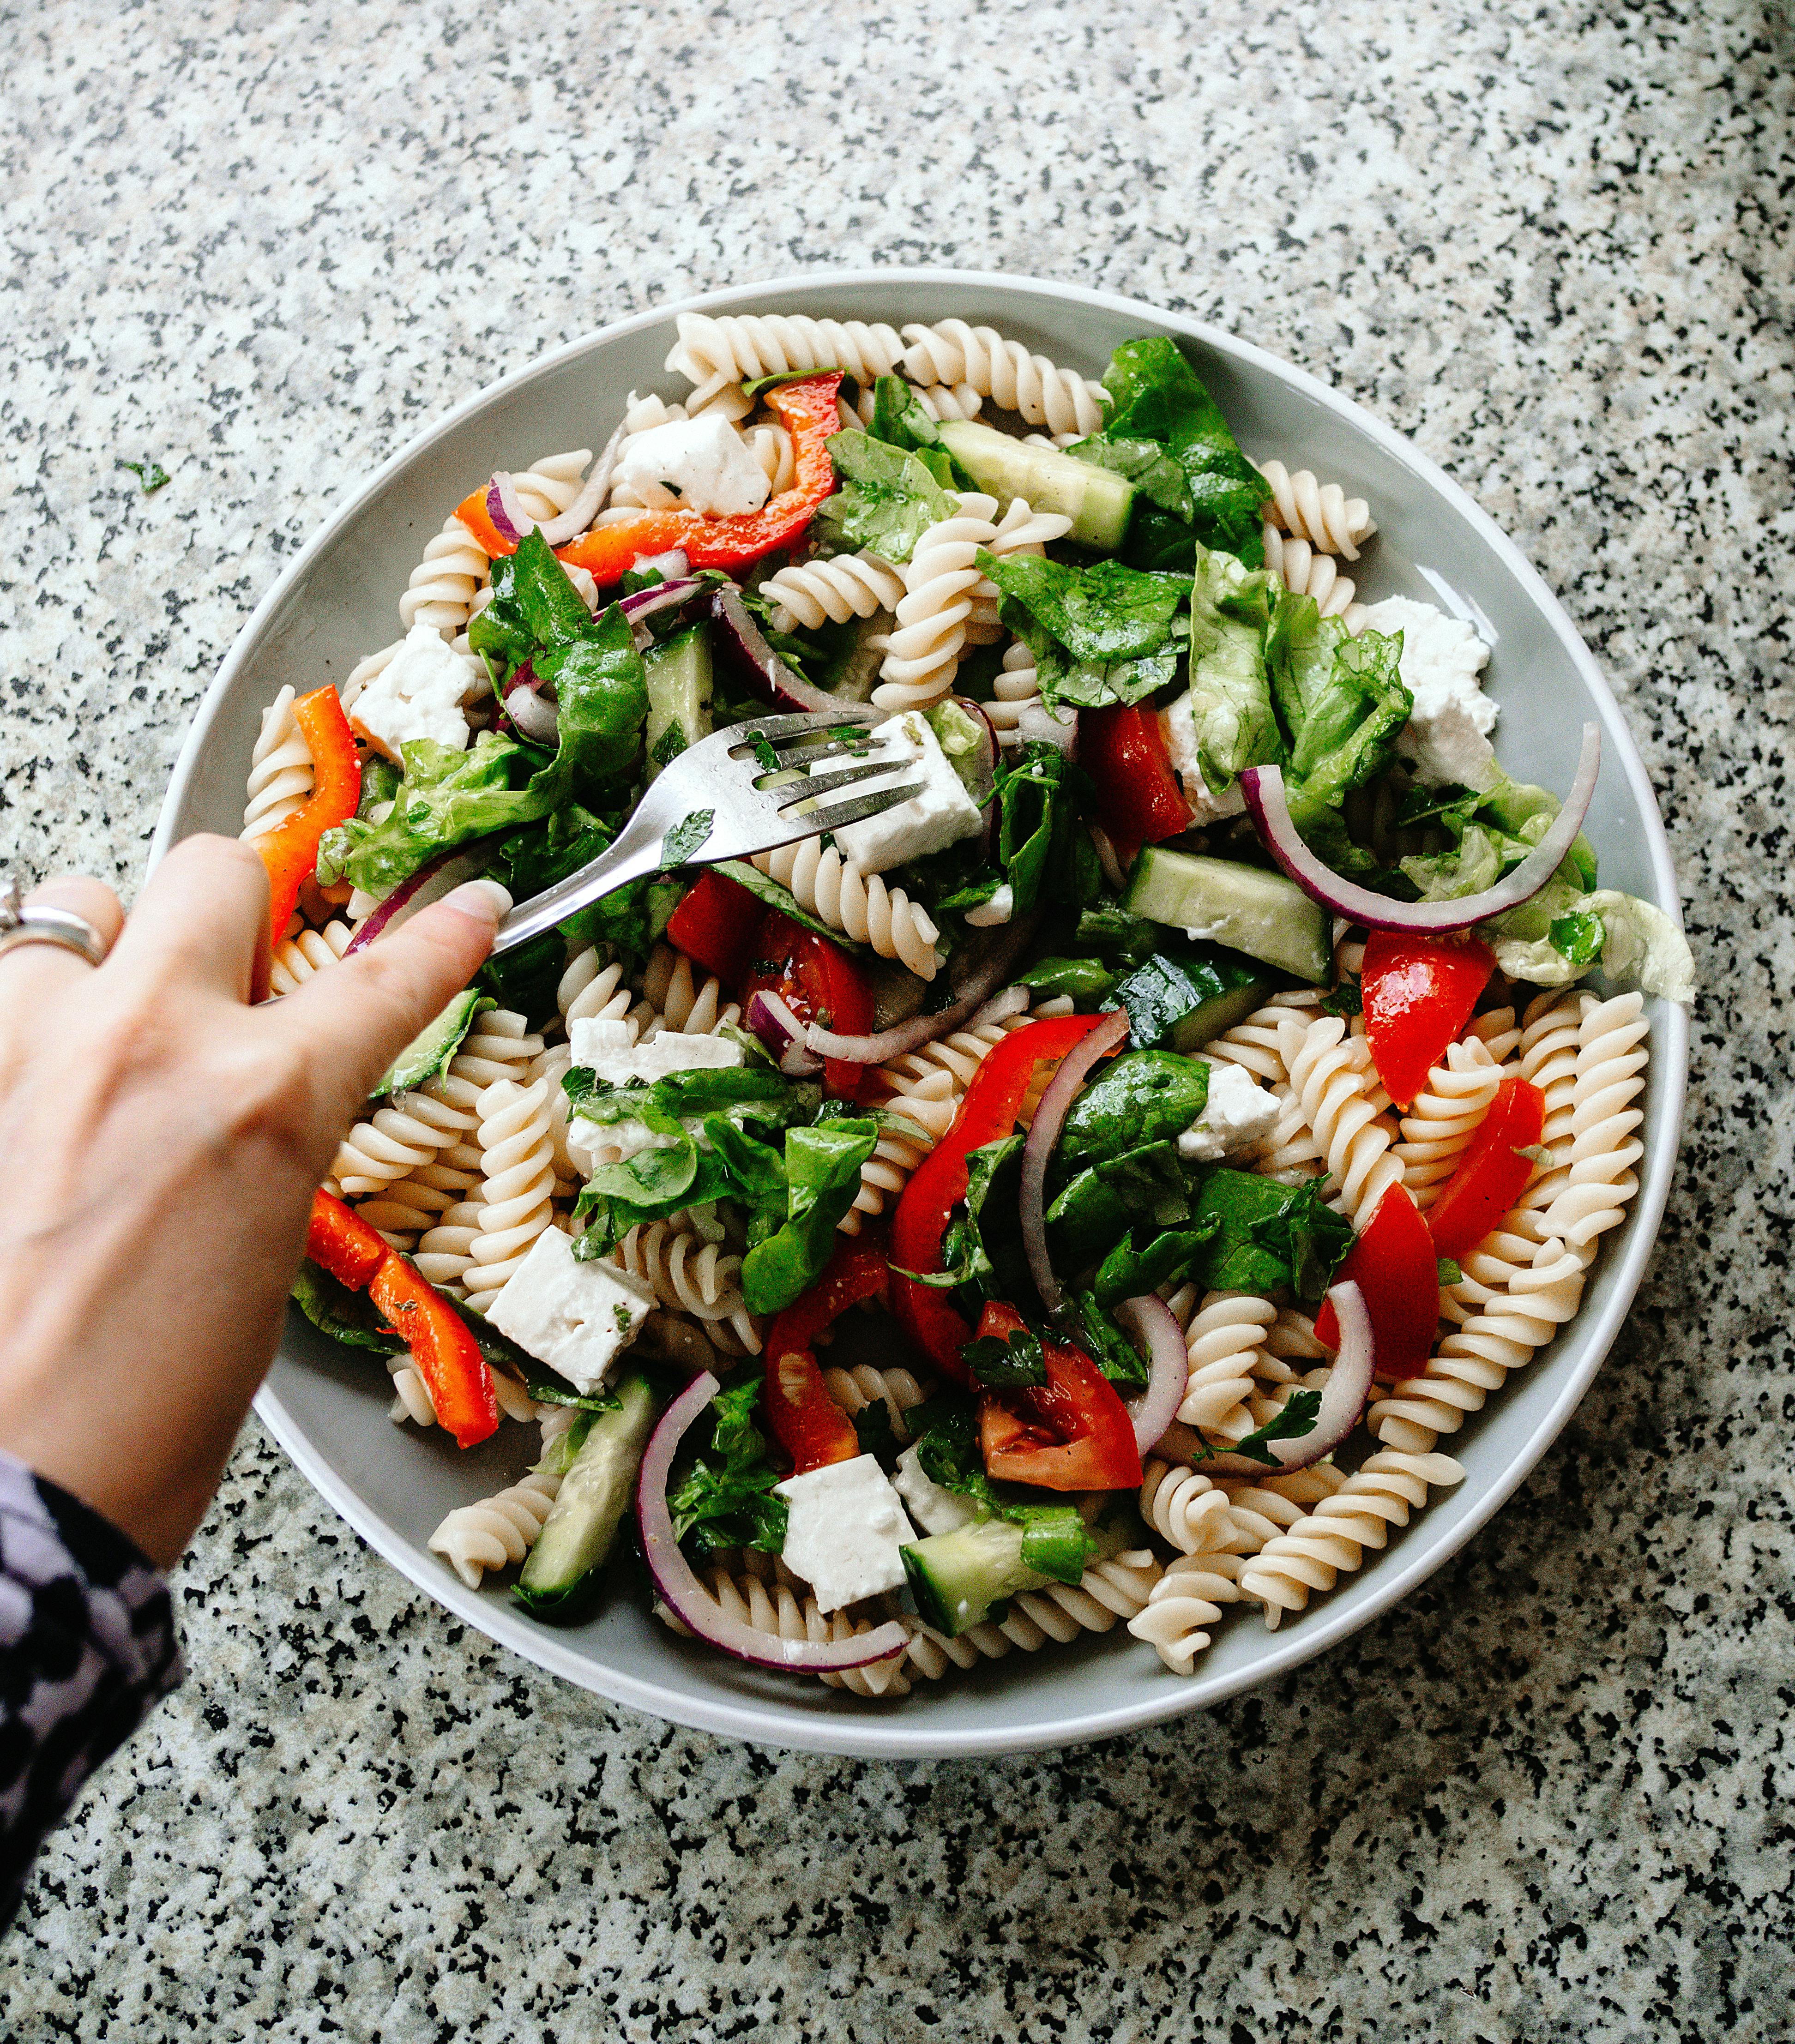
(888, 499)
(1102, 634)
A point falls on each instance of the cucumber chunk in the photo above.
(958, 1576)
(1180, 1003)
(560, 1578)
(1098, 502)
(1244, 907)
(679, 686)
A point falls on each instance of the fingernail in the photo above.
(481, 901)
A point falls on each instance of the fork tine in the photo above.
(858, 808)
(778, 729)
(829, 747)
(826, 784)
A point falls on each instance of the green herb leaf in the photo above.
(888, 499)
(1006, 1363)
(152, 476)
(1348, 999)
(1296, 1418)
(726, 1500)
(687, 838)
(1448, 1272)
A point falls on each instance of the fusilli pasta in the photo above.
(810, 593)
(1332, 1075)
(716, 353)
(1321, 514)
(859, 905)
(517, 1151)
(280, 770)
(952, 352)
(942, 580)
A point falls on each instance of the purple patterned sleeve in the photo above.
(87, 1646)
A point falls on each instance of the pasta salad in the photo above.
(1093, 1191)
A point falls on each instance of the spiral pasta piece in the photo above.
(1261, 1507)
(395, 1140)
(952, 352)
(1612, 1055)
(1547, 1058)
(942, 581)
(861, 905)
(689, 1276)
(855, 1389)
(443, 585)
(1321, 514)
(1513, 1299)
(1182, 1506)
(1020, 532)
(1185, 1603)
(1116, 1588)
(951, 400)
(499, 1532)
(517, 1151)
(280, 770)
(716, 352)
(1225, 1341)
(296, 959)
(686, 1005)
(499, 1045)
(1306, 572)
(1253, 1044)
(811, 593)
(1332, 1540)
(780, 1609)
(1332, 1074)
(771, 446)
(1442, 1118)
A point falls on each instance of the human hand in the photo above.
(160, 1140)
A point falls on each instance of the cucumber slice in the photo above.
(679, 686)
(1244, 907)
(1098, 502)
(428, 1054)
(958, 1576)
(560, 1579)
(1180, 1003)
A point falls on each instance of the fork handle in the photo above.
(637, 851)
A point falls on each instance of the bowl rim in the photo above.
(894, 1738)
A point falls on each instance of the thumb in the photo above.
(356, 1019)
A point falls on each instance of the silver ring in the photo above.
(22, 925)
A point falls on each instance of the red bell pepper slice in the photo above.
(448, 1356)
(989, 1111)
(806, 1422)
(607, 553)
(718, 923)
(1418, 994)
(1393, 1263)
(1138, 800)
(291, 851)
(1071, 1433)
(819, 982)
(1493, 1172)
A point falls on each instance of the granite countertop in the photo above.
(1545, 1798)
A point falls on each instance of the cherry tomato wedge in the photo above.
(1418, 993)
(1071, 1433)
(718, 923)
(1393, 1263)
(989, 1111)
(1138, 800)
(1493, 1172)
(819, 982)
(805, 1421)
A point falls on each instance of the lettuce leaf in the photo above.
(888, 499)
(1231, 710)
(1102, 634)
(822, 1167)
(726, 1500)
(900, 418)
(1549, 942)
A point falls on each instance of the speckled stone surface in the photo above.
(1548, 1798)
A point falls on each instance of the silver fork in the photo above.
(742, 790)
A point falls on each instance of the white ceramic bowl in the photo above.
(338, 600)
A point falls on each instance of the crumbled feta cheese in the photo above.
(1179, 723)
(591, 1144)
(935, 1510)
(941, 814)
(577, 1317)
(1446, 737)
(1000, 907)
(701, 464)
(610, 1050)
(418, 694)
(1236, 1113)
(846, 1531)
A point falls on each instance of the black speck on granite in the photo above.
(1546, 1799)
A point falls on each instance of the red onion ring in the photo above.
(663, 595)
(1155, 1327)
(537, 720)
(757, 662)
(1110, 1034)
(991, 969)
(988, 755)
(687, 1598)
(771, 1019)
(435, 878)
(1264, 789)
(513, 521)
(1349, 1386)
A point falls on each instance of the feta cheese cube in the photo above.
(1236, 1113)
(701, 464)
(1446, 737)
(935, 1510)
(941, 814)
(577, 1317)
(591, 1144)
(845, 1532)
(610, 1050)
(1001, 907)
(1179, 723)
(418, 694)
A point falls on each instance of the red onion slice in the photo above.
(687, 1598)
(664, 595)
(514, 522)
(771, 1019)
(756, 661)
(435, 878)
(1110, 1034)
(536, 719)
(1264, 789)
(1349, 1385)
(1155, 1327)
(991, 970)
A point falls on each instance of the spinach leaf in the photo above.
(350, 1317)
(726, 1501)
(1101, 634)
(900, 418)
(822, 1165)
(983, 1246)
(888, 499)
(1143, 1097)
(534, 607)
(1081, 979)
(1109, 1348)
(1055, 1542)
(1103, 1203)
(1267, 1234)
(1135, 1265)
(1043, 851)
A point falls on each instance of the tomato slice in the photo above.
(989, 1111)
(1071, 1433)
(805, 1420)
(1493, 1174)
(1393, 1263)
(717, 923)
(819, 982)
(1418, 993)
(1138, 800)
